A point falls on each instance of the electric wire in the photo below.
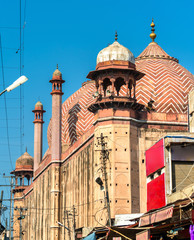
(109, 228)
(59, 208)
(20, 64)
(9, 27)
(6, 114)
(23, 63)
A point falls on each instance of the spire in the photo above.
(116, 36)
(57, 66)
(152, 35)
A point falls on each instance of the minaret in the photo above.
(56, 151)
(38, 124)
(56, 114)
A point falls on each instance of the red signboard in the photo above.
(156, 193)
(156, 216)
(155, 157)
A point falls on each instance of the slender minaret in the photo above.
(56, 114)
(38, 124)
(56, 151)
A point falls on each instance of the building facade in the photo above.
(102, 131)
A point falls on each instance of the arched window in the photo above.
(27, 180)
(105, 84)
(118, 84)
(130, 85)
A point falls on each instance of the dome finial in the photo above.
(152, 35)
(116, 36)
(57, 66)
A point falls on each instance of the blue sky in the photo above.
(71, 33)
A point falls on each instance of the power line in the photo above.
(6, 115)
(63, 208)
(9, 27)
(20, 63)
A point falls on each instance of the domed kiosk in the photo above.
(23, 171)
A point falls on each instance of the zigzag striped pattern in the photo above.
(166, 82)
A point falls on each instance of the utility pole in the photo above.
(21, 217)
(11, 200)
(1, 200)
(74, 222)
(68, 225)
(104, 157)
(6, 227)
(10, 213)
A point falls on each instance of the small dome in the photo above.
(38, 104)
(57, 74)
(24, 163)
(115, 51)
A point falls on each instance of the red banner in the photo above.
(157, 216)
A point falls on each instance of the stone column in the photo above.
(134, 85)
(100, 87)
(113, 84)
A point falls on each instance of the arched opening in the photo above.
(21, 183)
(27, 180)
(130, 85)
(105, 84)
(118, 84)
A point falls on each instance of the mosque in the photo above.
(97, 140)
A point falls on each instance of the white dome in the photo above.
(115, 51)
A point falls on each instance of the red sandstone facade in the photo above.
(133, 104)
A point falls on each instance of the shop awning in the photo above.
(90, 237)
(156, 216)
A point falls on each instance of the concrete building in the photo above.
(124, 108)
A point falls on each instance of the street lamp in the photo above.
(15, 84)
(69, 230)
(64, 226)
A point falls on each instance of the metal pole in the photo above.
(104, 158)
(68, 225)
(3, 92)
(74, 223)
(10, 213)
(6, 227)
(1, 200)
(64, 223)
(20, 223)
